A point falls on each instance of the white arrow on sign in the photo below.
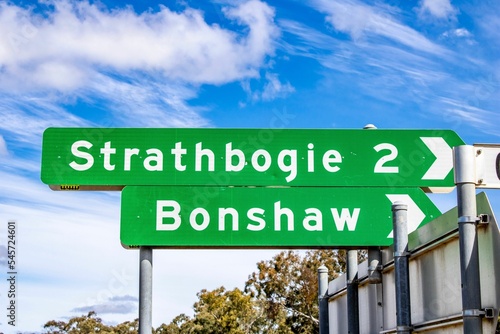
(415, 215)
(444, 158)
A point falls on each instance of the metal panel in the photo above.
(370, 303)
(489, 261)
(434, 280)
(337, 306)
(487, 165)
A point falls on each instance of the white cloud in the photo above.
(359, 20)
(465, 112)
(273, 89)
(24, 118)
(150, 103)
(441, 9)
(114, 305)
(395, 74)
(64, 49)
(462, 32)
(459, 35)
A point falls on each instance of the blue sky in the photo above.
(308, 64)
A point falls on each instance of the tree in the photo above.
(84, 324)
(181, 324)
(281, 297)
(218, 312)
(127, 327)
(287, 285)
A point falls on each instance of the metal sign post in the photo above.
(323, 299)
(352, 292)
(464, 159)
(401, 268)
(145, 290)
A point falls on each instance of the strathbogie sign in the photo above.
(94, 158)
(263, 217)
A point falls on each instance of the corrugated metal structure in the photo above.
(435, 285)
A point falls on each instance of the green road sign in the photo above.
(84, 158)
(260, 217)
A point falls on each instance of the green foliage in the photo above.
(181, 324)
(281, 297)
(85, 324)
(287, 286)
(127, 327)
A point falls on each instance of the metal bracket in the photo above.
(401, 254)
(467, 219)
(481, 219)
(404, 329)
(473, 313)
(484, 219)
(378, 267)
(488, 313)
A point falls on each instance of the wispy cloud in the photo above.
(486, 18)
(18, 188)
(359, 20)
(307, 41)
(4, 151)
(365, 58)
(441, 9)
(154, 102)
(468, 113)
(272, 89)
(393, 63)
(25, 117)
(114, 305)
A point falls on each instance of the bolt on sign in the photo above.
(487, 164)
(111, 158)
(264, 217)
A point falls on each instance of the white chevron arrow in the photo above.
(444, 158)
(415, 215)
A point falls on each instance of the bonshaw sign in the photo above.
(260, 217)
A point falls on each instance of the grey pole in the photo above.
(323, 300)
(374, 265)
(401, 269)
(145, 290)
(464, 167)
(352, 292)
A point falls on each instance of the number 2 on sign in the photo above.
(380, 166)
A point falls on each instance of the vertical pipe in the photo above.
(401, 269)
(323, 300)
(467, 231)
(145, 290)
(352, 292)
(374, 265)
